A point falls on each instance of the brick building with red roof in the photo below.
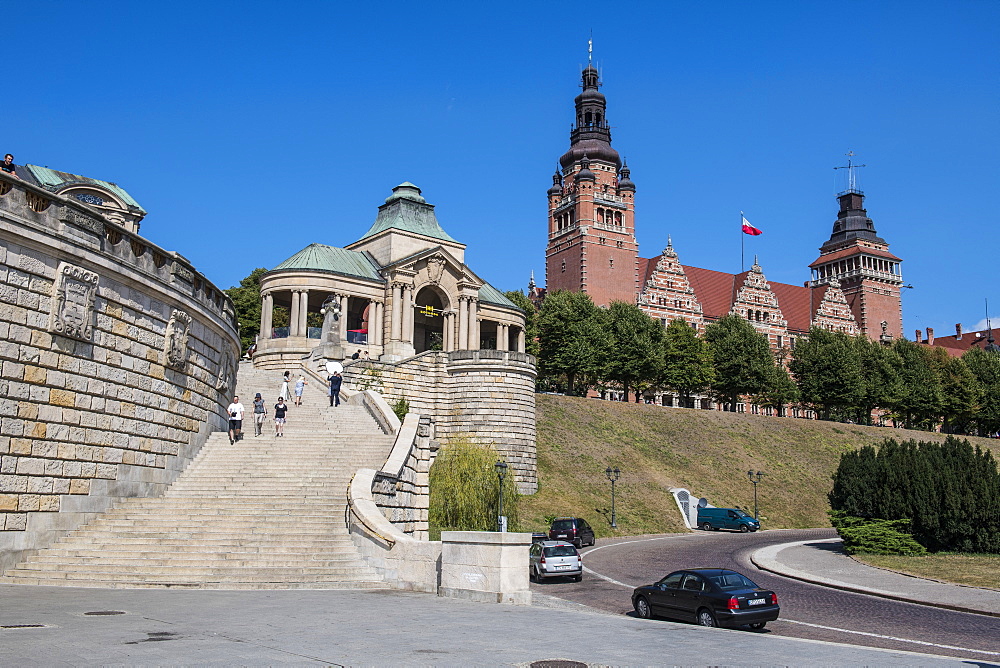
(592, 248)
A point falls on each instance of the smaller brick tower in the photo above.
(592, 246)
(869, 275)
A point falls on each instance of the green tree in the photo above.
(464, 489)
(573, 341)
(246, 301)
(881, 385)
(827, 370)
(636, 353)
(985, 366)
(921, 402)
(780, 391)
(741, 357)
(949, 491)
(530, 320)
(687, 361)
(961, 392)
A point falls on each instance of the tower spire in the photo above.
(850, 167)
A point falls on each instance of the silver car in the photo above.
(554, 558)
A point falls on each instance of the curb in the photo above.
(766, 560)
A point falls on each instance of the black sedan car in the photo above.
(708, 596)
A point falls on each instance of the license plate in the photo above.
(757, 601)
(564, 566)
(561, 535)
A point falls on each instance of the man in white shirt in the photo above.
(235, 411)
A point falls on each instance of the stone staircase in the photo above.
(265, 513)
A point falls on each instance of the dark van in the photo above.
(726, 518)
(572, 529)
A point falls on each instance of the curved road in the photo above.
(616, 566)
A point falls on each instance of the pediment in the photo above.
(433, 265)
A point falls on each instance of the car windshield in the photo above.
(731, 581)
(560, 551)
(562, 525)
(740, 513)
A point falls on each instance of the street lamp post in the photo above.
(755, 478)
(612, 474)
(501, 468)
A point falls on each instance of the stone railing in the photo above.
(118, 359)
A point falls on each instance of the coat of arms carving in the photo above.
(435, 269)
(73, 294)
(175, 345)
(225, 373)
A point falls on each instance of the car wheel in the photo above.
(578, 578)
(744, 528)
(642, 608)
(578, 542)
(705, 526)
(706, 618)
(757, 626)
(531, 575)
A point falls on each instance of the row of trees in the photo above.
(581, 346)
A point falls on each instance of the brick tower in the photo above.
(869, 275)
(592, 246)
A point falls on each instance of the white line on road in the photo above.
(884, 637)
(790, 621)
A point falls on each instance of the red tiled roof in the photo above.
(796, 304)
(714, 289)
(853, 250)
(646, 268)
(957, 347)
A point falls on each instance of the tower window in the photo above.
(611, 262)
(564, 265)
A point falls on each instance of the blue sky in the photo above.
(249, 129)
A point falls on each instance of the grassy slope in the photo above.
(707, 452)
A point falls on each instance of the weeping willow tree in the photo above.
(464, 489)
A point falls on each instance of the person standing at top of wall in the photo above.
(279, 417)
(259, 414)
(8, 166)
(300, 385)
(336, 380)
(235, 411)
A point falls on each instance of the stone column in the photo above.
(475, 333)
(395, 320)
(266, 316)
(406, 336)
(293, 316)
(448, 333)
(343, 319)
(463, 324)
(520, 340)
(303, 313)
(472, 341)
(502, 337)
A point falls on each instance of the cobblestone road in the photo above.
(807, 611)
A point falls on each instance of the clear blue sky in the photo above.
(249, 129)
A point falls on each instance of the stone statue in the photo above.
(330, 344)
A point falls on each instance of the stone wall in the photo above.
(401, 488)
(485, 395)
(117, 359)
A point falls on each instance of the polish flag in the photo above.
(748, 228)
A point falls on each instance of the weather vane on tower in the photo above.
(850, 167)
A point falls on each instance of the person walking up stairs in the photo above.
(266, 513)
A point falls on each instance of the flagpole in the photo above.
(742, 240)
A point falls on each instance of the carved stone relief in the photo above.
(175, 347)
(73, 294)
(435, 269)
(222, 384)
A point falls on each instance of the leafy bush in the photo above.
(401, 408)
(873, 536)
(949, 490)
(464, 489)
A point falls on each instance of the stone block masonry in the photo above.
(117, 359)
(485, 395)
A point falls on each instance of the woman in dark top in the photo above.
(279, 417)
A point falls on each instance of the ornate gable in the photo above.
(833, 312)
(756, 302)
(667, 293)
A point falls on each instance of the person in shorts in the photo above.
(259, 414)
(300, 385)
(235, 411)
(279, 417)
